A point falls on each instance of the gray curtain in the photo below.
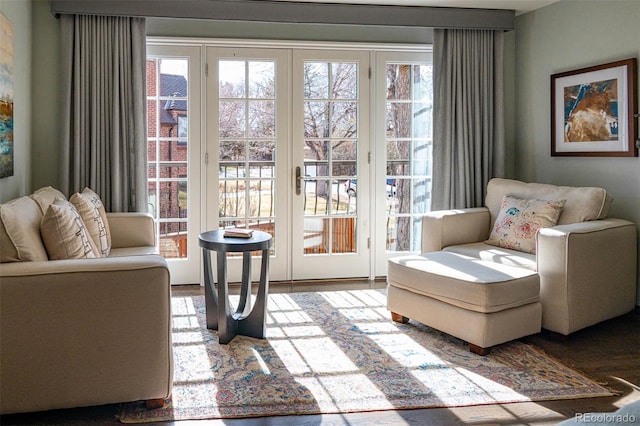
(468, 127)
(104, 143)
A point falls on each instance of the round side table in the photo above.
(245, 320)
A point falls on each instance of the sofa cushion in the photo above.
(93, 214)
(518, 222)
(581, 203)
(20, 231)
(463, 281)
(64, 234)
(46, 196)
(500, 255)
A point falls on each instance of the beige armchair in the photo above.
(585, 264)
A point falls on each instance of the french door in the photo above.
(330, 148)
(288, 156)
(281, 139)
(248, 149)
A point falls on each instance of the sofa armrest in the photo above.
(131, 229)
(78, 267)
(587, 273)
(443, 228)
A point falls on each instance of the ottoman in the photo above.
(481, 302)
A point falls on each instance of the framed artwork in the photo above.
(592, 111)
(6, 97)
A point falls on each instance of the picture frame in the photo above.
(593, 111)
(6, 98)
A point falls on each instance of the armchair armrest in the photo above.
(587, 273)
(443, 228)
(131, 229)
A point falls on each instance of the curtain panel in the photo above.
(104, 144)
(468, 128)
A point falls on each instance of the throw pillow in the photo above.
(519, 220)
(20, 231)
(64, 234)
(46, 196)
(93, 214)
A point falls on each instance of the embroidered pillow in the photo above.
(519, 220)
(93, 214)
(64, 234)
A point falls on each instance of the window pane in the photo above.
(316, 154)
(344, 235)
(398, 119)
(316, 119)
(231, 79)
(262, 151)
(262, 119)
(422, 120)
(173, 239)
(421, 158)
(261, 201)
(173, 200)
(232, 119)
(344, 120)
(423, 83)
(152, 117)
(231, 198)
(316, 236)
(261, 80)
(398, 81)
(316, 80)
(344, 77)
(172, 150)
(316, 193)
(173, 170)
(231, 151)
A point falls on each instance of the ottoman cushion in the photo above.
(466, 282)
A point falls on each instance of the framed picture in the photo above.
(592, 111)
(6, 97)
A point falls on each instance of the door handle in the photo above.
(298, 181)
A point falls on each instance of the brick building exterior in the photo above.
(167, 155)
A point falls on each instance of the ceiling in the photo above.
(520, 6)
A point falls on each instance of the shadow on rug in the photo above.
(338, 352)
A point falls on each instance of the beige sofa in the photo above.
(585, 264)
(81, 332)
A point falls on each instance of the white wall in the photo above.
(19, 13)
(568, 35)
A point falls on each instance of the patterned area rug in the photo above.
(338, 352)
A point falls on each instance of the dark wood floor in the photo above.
(608, 352)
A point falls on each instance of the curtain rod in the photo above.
(296, 12)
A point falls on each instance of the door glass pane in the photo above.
(168, 143)
(247, 145)
(330, 107)
(408, 147)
